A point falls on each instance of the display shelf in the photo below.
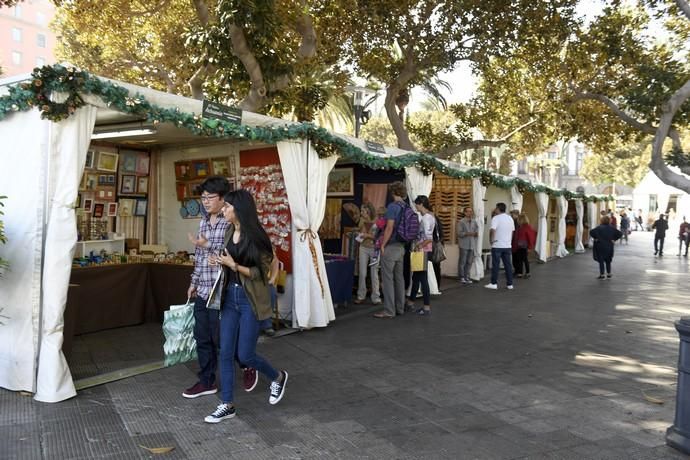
(84, 248)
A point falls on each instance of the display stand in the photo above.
(84, 248)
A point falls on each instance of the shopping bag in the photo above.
(178, 329)
(281, 280)
(417, 261)
(438, 252)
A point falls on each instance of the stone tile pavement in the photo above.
(563, 367)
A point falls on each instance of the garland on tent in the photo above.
(73, 83)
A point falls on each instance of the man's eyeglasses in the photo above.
(208, 197)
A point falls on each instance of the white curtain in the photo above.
(419, 184)
(306, 180)
(593, 217)
(515, 198)
(68, 145)
(478, 194)
(579, 209)
(542, 200)
(23, 158)
(561, 251)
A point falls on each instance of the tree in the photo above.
(623, 164)
(403, 42)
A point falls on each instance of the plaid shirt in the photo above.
(204, 274)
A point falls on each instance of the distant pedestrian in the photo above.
(625, 227)
(438, 237)
(525, 238)
(423, 243)
(367, 255)
(683, 236)
(638, 219)
(660, 226)
(467, 232)
(605, 236)
(514, 213)
(393, 254)
(501, 238)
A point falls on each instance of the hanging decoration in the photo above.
(50, 83)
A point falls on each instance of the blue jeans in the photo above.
(504, 254)
(206, 336)
(239, 330)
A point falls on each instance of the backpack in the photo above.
(408, 224)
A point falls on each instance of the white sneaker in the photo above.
(510, 287)
(491, 286)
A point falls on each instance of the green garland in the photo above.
(74, 83)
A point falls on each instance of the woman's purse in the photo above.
(438, 252)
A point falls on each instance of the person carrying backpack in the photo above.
(402, 226)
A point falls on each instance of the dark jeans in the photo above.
(406, 266)
(497, 255)
(520, 260)
(659, 244)
(604, 264)
(206, 336)
(423, 279)
(239, 332)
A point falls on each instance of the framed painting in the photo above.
(181, 191)
(140, 208)
(220, 167)
(194, 189)
(142, 185)
(183, 170)
(128, 185)
(88, 205)
(98, 209)
(90, 156)
(112, 209)
(107, 161)
(128, 164)
(341, 182)
(201, 168)
(143, 164)
(126, 207)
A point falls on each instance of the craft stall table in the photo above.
(340, 272)
(112, 296)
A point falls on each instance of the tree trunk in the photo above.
(657, 164)
(395, 120)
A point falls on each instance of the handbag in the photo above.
(438, 252)
(215, 295)
(417, 261)
(178, 329)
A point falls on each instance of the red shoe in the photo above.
(199, 389)
(250, 378)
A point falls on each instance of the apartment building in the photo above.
(26, 40)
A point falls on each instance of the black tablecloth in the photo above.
(111, 296)
(340, 273)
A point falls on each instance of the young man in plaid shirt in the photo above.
(209, 240)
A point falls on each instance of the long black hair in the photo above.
(254, 241)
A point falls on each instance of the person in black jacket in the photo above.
(660, 227)
(604, 237)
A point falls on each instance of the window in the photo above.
(16, 34)
(16, 58)
(578, 161)
(41, 40)
(40, 62)
(17, 11)
(652, 203)
(40, 18)
(522, 167)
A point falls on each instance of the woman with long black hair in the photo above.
(423, 243)
(247, 261)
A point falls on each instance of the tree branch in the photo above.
(196, 82)
(684, 7)
(256, 97)
(657, 164)
(475, 144)
(305, 27)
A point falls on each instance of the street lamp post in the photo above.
(359, 104)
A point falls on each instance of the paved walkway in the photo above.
(564, 367)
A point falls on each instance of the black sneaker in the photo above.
(278, 389)
(222, 412)
(601, 277)
(608, 277)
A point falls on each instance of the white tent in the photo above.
(41, 165)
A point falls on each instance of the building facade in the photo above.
(26, 40)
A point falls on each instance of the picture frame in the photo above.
(111, 180)
(341, 182)
(194, 189)
(220, 167)
(201, 168)
(126, 207)
(128, 163)
(90, 157)
(112, 209)
(128, 184)
(181, 191)
(183, 170)
(143, 163)
(91, 182)
(88, 205)
(107, 161)
(143, 184)
(102, 180)
(140, 207)
(98, 209)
